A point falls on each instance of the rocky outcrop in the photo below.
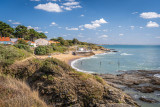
(140, 80)
(149, 100)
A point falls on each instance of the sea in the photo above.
(127, 57)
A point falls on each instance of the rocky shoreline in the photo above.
(141, 81)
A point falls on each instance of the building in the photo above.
(41, 42)
(32, 44)
(6, 41)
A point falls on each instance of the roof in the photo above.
(5, 39)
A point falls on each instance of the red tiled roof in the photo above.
(5, 39)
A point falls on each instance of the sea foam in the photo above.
(125, 54)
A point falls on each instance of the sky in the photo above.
(96, 21)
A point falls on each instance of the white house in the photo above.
(32, 43)
(41, 42)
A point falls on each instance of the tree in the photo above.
(42, 35)
(61, 40)
(6, 30)
(75, 41)
(32, 34)
(21, 31)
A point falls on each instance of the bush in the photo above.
(21, 41)
(8, 54)
(22, 46)
(61, 49)
(43, 50)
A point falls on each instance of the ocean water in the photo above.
(128, 57)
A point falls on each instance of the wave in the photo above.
(73, 62)
(157, 75)
(125, 54)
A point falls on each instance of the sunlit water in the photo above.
(128, 57)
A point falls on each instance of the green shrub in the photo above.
(22, 41)
(43, 50)
(60, 49)
(9, 54)
(22, 46)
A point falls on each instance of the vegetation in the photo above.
(14, 93)
(45, 50)
(23, 46)
(9, 54)
(6, 30)
(20, 31)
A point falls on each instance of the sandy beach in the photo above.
(68, 58)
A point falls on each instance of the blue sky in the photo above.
(96, 21)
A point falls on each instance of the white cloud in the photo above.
(71, 7)
(51, 0)
(91, 26)
(103, 36)
(134, 12)
(35, 0)
(30, 27)
(101, 21)
(105, 30)
(121, 34)
(158, 37)
(71, 3)
(132, 27)
(50, 7)
(141, 27)
(82, 15)
(39, 31)
(119, 26)
(9, 20)
(81, 36)
(152, 24)
(16, 23)
(71, 28)
(71, 0)
(94, 24)
(45, 32)
(53, 24)
(149, 15)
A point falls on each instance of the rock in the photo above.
(145, 89)
(149, 100)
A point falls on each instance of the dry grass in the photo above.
(14, 93)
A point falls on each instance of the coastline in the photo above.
(68, 58)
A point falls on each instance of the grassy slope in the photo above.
(14, 93)
(9, 54)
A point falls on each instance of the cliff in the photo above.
(60, 85)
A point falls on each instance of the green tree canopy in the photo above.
(42, 35)
(75, 41)
(6, 30)
(33, 34)
(21, 31)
